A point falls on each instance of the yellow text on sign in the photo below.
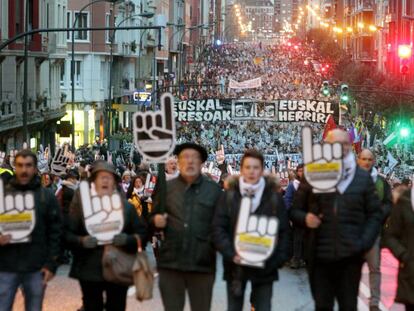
(22, 217)
(323, 167)
(257, 240)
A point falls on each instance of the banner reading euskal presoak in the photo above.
(283, 110)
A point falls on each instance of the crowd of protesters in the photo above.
(193, 216)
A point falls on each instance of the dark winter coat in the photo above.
(224, 227)
(44, 246)
(87, 263)
(187, 244)
(350, 221)
(399, 238)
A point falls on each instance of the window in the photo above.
(81, 22)
(78, 73)
(18, 17)
(68, 24)
(104, 75)
(62, 74)
(107, 32)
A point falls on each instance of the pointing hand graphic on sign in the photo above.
(154, 132)
(104, 217)
(17, 215)
(322, 163)
(255, 235)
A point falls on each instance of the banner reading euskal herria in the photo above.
(283, 110)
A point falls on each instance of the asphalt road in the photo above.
(290, 293)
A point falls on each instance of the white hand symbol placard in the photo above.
(220, 155)
(322, 163)
(43, 159)
(256, 235)
(17, 215)
(104, 216)
(60, 161)
(154, 132)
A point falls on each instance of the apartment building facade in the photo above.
(46, 53)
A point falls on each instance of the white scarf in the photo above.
(139, 191)
(348, 172)
(256, 191)
(171, 176)
(374, 174)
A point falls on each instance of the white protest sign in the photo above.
(17, 215)
(154, 131)
(60, 161)
(323, 166)
(104, 215)
(43, 159)
(256, 235)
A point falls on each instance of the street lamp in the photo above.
(72, 67)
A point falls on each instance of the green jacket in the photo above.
(187, 244)
(44, 247)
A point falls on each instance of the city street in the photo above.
(291, 293)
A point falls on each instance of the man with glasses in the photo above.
(186, 261)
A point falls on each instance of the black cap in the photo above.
(201, 150)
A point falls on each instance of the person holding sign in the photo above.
(98, 216)
(186, 260)
(251, 231)
(30, 235)
(338, 205)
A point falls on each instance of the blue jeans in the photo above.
(32, 285)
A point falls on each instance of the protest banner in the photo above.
(247, 84)
(218, 110)
(207, 110)
(304, 110)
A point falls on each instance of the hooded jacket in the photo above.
(44, 247)
(224, 226)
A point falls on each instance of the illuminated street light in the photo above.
(372, 28)
(360, 25)
(404, 51)
(349, 29)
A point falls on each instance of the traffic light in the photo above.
(344, 94)
(325, 88)
(404, 132)
(404, 67)
(404, 51)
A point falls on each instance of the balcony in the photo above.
(12, 121)
(364, 6)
